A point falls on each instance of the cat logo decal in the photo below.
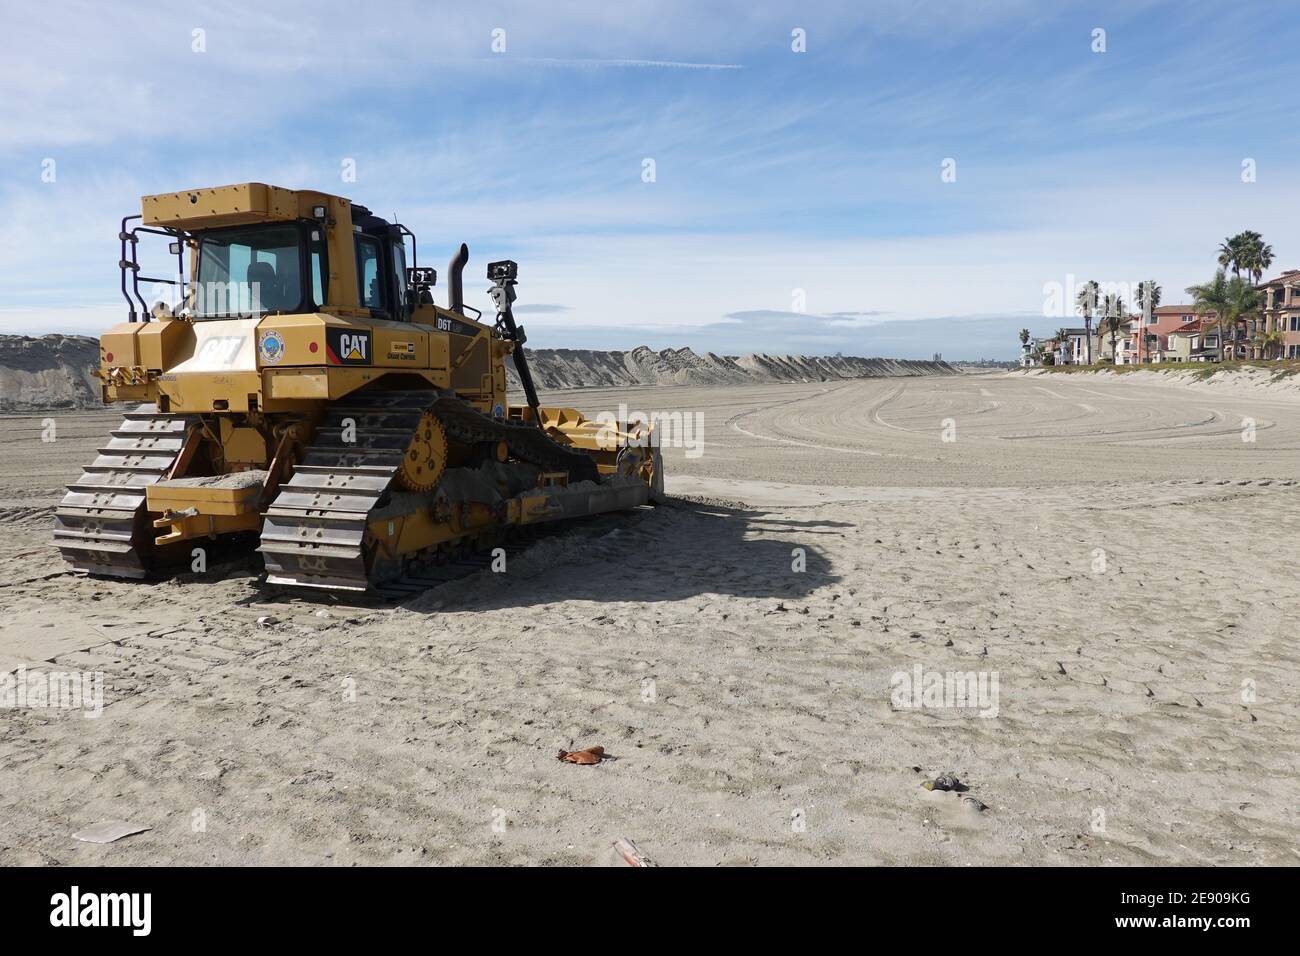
(347, 347)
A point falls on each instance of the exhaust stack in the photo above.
(455, 292)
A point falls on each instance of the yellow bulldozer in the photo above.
(303, 389)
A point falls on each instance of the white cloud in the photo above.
(832, 188)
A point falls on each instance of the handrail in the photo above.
(415, 252)
(132, 265)
(123, 265)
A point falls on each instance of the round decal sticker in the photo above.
(271, 347)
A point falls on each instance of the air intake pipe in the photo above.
(455, 292)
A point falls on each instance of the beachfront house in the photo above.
(1149, 335)
(1103, 352)
(1070, 350)
(1126, 342)
(1033, 351)
(1196, 341)
(1281, 315)
(1075, 348)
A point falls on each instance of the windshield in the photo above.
(249, 271)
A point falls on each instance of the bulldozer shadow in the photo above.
(677, 550)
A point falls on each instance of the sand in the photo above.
(1111, 549)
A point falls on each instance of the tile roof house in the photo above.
(1195, 341)
(1280, 314)
(1150, 346)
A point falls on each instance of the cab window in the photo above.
(369, 272)
(399, 280)
(248, 271)
(319, 281)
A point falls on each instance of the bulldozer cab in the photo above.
(257, 250)
(382, 278)
(284, 297)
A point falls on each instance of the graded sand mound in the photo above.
(585, 368)
(52, 371)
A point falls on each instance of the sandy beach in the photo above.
(1117, 555)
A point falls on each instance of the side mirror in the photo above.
(174, 248)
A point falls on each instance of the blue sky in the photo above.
(779, 176)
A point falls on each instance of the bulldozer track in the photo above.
(314, 532)
(418, 577)
(101, 525)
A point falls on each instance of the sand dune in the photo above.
(1243, 380)
(584, 368)
(54, 371)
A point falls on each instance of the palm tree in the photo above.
(1062, 339)
(1246, 252)
(1148, 296)
(1111, 324)
(1271, 342)
(1230, 299)
(1024, 336)
(1263, 259)
(1213, 297)
(1244, 300)
(1230, 251)
(1087, 304)
(1256, 255)
(1148, 301)
(1112, 319)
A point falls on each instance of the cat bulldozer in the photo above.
(302, 390)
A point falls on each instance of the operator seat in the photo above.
(261, 277)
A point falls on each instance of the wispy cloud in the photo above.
(594, 64)
(541, 308)
(801, 175)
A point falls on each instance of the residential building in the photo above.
(1149, 334)
(1074, 349)
(1126, 343)
(1033, 351)
(1281, 314)
(1195, 341)
(1104, 352)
